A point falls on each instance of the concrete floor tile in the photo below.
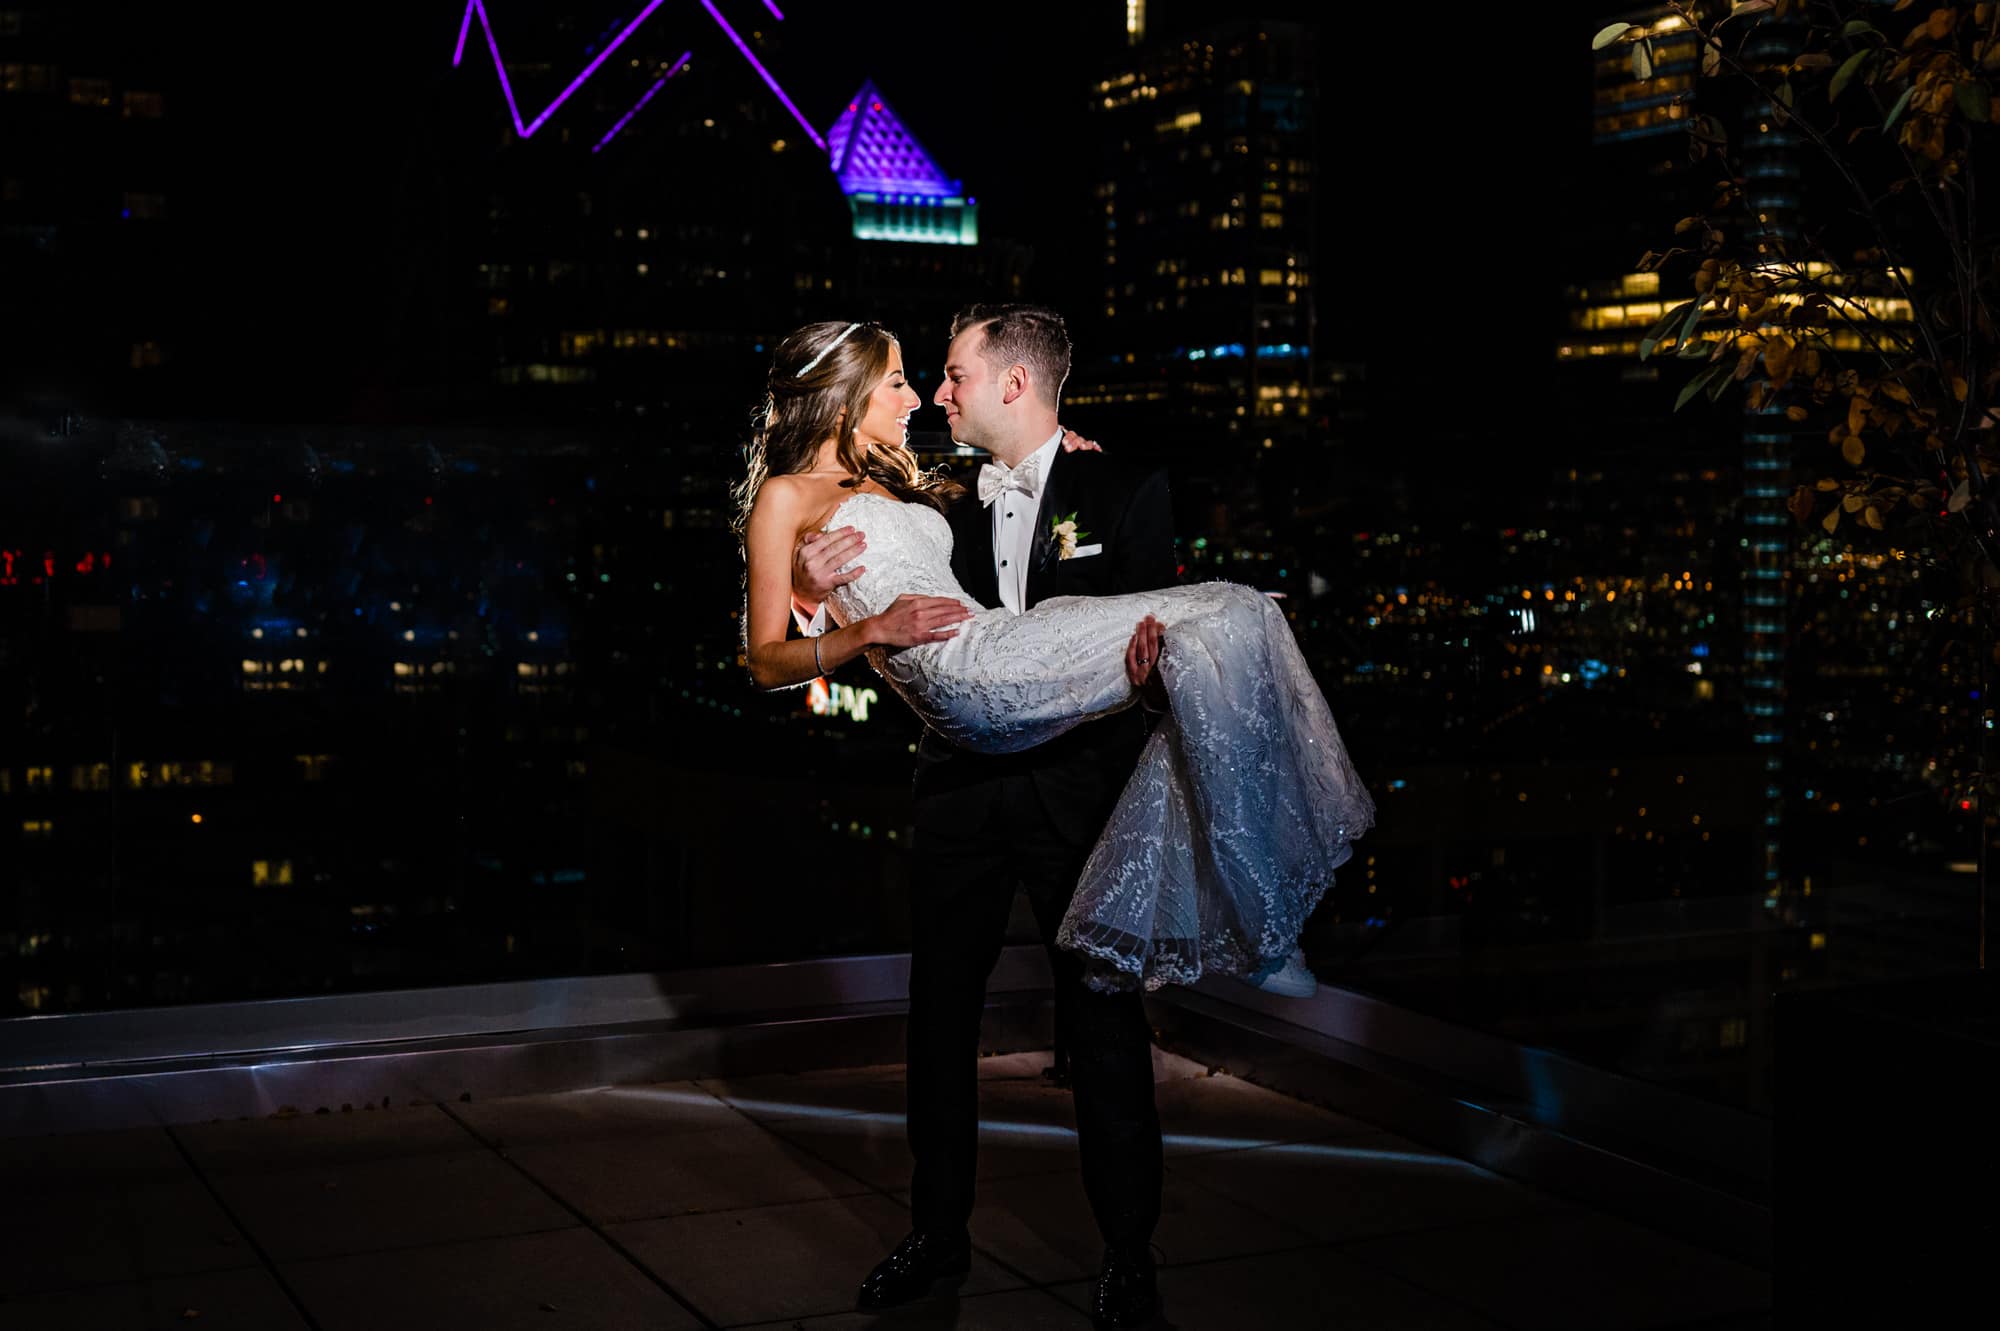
(1042, 1226)
(296, 1141)
(600, 1112)
(371, 1205)
(1008, 1067)
(566, 1281)
(247, 1300)
(1014, 1310)
(635, 1178)
(1571, 1270)
(68, 1161)
(1173, 1067)
(110, 1230)
(1224, 1113)
(1356, 1187)
(1309, 1288)
(778, 1262)
(1016, 1137)
(783, 1097)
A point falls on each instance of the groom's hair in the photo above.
(1030, 335)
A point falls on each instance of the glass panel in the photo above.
(377, 709)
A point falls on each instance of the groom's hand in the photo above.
(817, 560)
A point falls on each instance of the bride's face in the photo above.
(886, 422)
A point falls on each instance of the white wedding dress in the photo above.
(1244, 801)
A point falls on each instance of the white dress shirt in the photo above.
(1014, 519)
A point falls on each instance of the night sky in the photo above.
(1450, 159)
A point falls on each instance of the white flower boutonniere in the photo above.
(1067, 535)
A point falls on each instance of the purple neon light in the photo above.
(758, 65)
(775, 12)
(679, 65)
(507, 89)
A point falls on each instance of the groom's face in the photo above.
(969, 391)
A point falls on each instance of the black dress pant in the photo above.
(966, 870)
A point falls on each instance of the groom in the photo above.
(1046, 523)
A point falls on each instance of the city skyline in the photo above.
(366, 565)
(277, 189)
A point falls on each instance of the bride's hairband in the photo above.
(808, 367)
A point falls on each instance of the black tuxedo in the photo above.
(1080, 774)
(987, 825)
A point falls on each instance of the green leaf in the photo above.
(1975, 101)
(1896, 111)
(1857, 27)
(1784, 94)
(1658, 332)
(1688, 325)
(1700, 382)
(1848, 69)
(1609, 35)
(1642, 61)
(1720, 384)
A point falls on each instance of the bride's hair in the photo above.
(816, 373)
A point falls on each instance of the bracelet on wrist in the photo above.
(816, 665)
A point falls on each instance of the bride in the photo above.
(1244, 801)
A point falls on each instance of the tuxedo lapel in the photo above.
(1058, 491)
(972, 550)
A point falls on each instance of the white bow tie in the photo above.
(996, 479)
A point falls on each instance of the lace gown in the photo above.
(1244, 801)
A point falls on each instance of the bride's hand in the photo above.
(1072, 442)
(911, 621)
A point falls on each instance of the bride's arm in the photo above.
(767, 546)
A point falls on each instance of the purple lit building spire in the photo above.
(894, 188)
(872, 149)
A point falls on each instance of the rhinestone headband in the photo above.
(808, 367)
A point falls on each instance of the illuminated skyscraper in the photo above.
(895, 189)
(1207, 239)
(1643, 99)
(1638, 128)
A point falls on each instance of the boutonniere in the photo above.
(1067, 534)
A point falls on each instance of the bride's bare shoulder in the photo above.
(799, 502)
(782, 494)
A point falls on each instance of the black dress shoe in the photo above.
(1126, 1295)
(915, 1268)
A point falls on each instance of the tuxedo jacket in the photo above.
(1079, 774)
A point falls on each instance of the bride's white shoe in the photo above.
(1294, 979)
